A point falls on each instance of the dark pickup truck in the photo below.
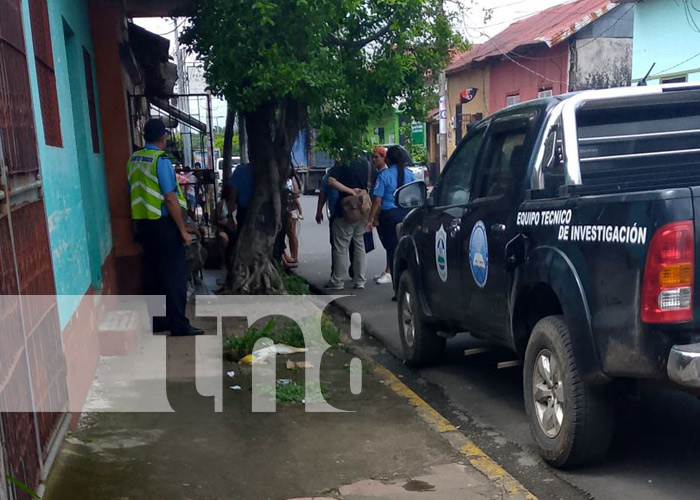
(565, 229)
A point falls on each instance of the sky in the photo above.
(471, 14)
(503, 12)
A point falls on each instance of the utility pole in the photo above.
(442, 110)
(183, 102)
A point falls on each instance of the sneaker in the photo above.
(377, 276)
(384, 280)
(333, 286)
(359, 286)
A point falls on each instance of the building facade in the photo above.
(674, 58)
(67, 69)
(586, 44)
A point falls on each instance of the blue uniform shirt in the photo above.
(331, 194)
(166, 176)
(387, 183)
(242, 180)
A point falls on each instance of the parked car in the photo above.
(235, 161)
(565, 229)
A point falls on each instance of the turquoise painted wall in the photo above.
(75, 191)
(663, 35)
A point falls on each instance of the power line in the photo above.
(530, 70)
(679, 64)
(177, 27)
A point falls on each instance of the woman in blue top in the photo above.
(388, 181)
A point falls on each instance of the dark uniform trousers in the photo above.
(163, 269)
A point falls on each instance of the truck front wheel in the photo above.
(421, 344)
(571, 422)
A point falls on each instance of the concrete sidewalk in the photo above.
(382, 448)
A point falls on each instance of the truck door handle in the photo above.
(498, 228)
(454, 228)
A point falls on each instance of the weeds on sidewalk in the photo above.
(280, 332)
(294, 284)
(296, 392)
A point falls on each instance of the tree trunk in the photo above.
(272, 129)
(228, 142)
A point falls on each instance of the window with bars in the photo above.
(545, 93)
(512, 100)
(17, 118)
(92, 105)
(46, 77)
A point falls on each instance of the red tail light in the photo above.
(667, 293)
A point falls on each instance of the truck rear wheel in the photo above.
(421, 344)
(571, 422)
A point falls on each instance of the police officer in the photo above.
(157, 204)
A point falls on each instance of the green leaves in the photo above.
(346, 60)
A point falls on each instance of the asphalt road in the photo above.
(656, 451)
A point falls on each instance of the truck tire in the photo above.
(571, 422)
(421, 344)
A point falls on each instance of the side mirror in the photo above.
(411, 195)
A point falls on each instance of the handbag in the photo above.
(357, 207)
(369, 242)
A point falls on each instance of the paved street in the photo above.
(655, 451)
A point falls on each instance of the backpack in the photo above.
(356, 208)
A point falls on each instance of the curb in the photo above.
(478, 459)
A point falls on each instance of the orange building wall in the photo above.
(106, 17)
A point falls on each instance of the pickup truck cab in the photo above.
(566, 230)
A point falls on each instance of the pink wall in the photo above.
(548, 69)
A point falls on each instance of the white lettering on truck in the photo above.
(586, 233)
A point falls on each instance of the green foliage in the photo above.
(236, 348)
(219, 143)
(19, 484)
(345, 61)
(295, 392)
(285, 332)
(417, 151)
(294, 284)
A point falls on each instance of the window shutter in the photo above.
(46, 77)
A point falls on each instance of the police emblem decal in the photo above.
(441, 253)
(479, 254)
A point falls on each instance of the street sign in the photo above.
(418, 133)
(443, 114)
(468, 95)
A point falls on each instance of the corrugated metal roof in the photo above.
(551, 26)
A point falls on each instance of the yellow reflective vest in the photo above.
(146, 197)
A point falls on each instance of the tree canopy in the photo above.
(344, 61)
(337, 63)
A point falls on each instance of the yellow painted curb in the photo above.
(475, 455)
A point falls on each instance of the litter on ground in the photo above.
(261, 355)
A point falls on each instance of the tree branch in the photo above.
(359, 44)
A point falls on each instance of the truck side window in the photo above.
(455, 185)
(505, 155)
(553, 165)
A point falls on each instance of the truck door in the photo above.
(441, 234)
(489, 223)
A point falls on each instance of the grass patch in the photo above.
(236, 348)
(297, 393)
(280, 332)
(294, 284)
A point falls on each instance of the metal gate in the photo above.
(32, 367)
